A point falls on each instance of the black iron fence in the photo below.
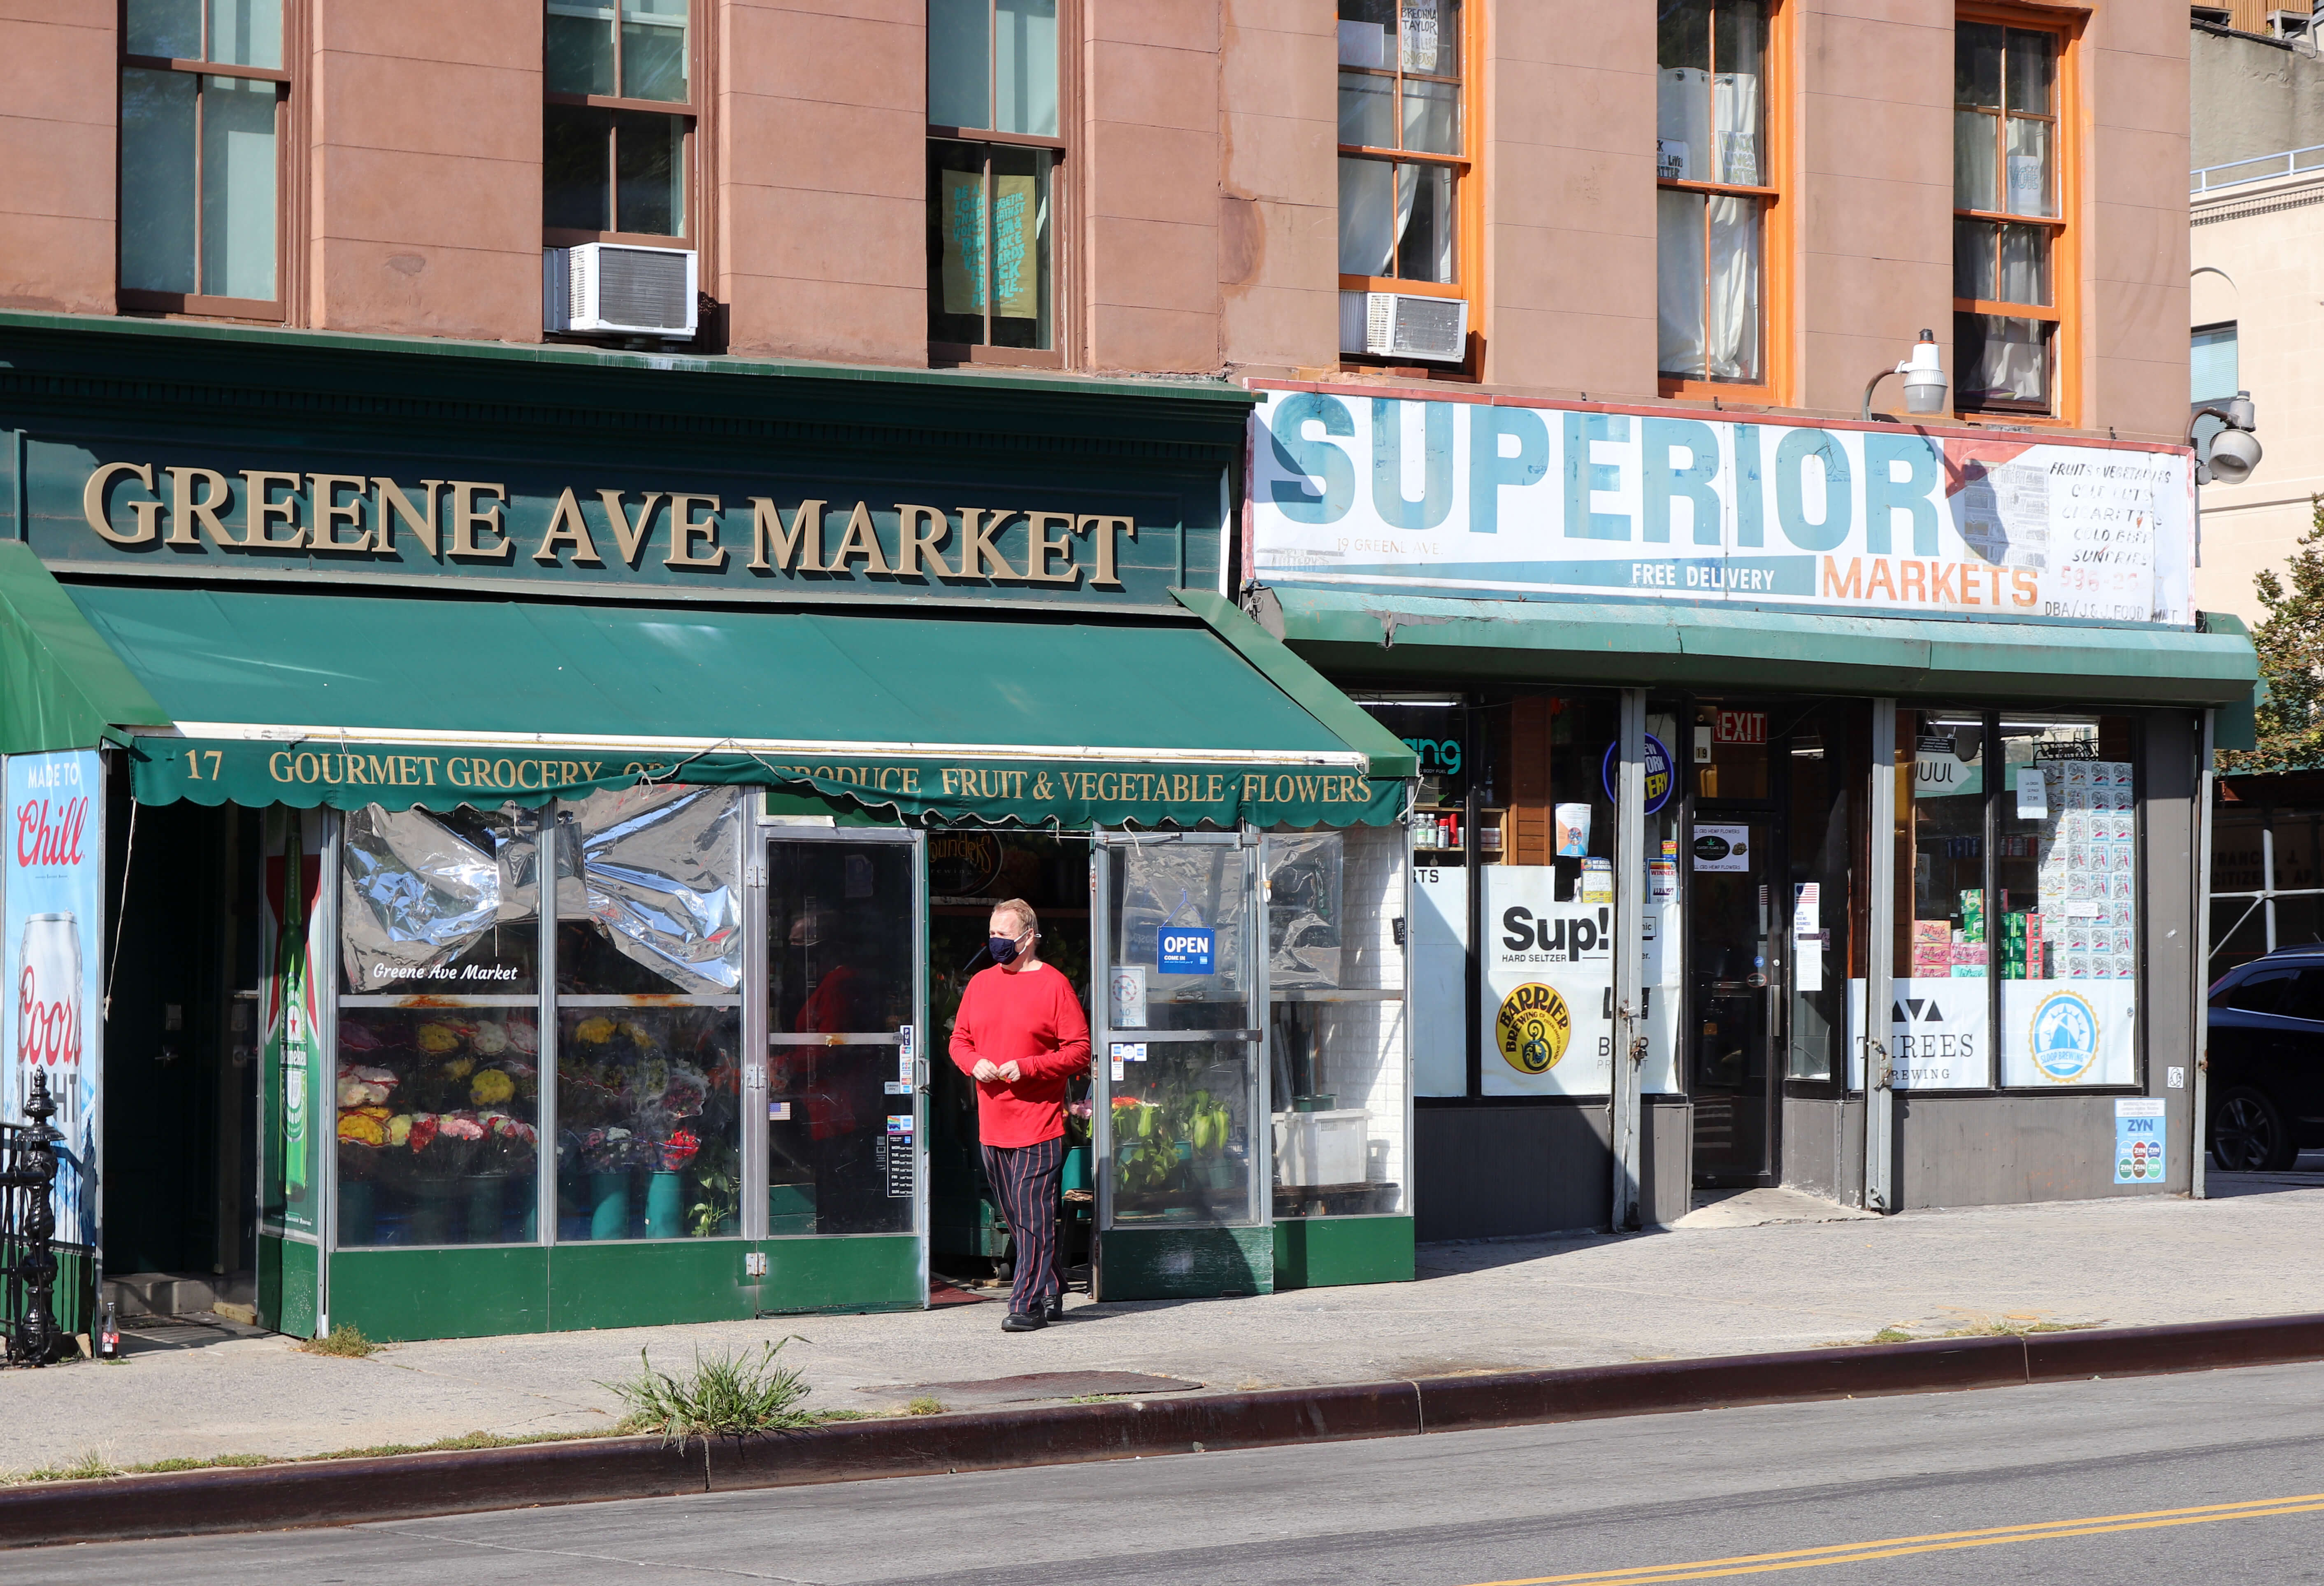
(28, 1228)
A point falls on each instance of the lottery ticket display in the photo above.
(2069, 1018)
(2090, 869)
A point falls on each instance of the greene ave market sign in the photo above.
(171, 513)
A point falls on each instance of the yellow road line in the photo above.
(1848, 1553)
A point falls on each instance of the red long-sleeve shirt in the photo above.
(1032, 1017)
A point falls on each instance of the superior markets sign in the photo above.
(1502, 499)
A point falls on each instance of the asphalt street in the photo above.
(2216, 1476)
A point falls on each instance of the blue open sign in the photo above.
(1187, 949)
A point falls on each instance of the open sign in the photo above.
(1187, 949)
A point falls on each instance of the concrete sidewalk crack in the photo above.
(603, 1558)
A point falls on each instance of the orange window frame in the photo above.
(1469, 203)
(2068, 132)
(1777, 253)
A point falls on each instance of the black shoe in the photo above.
(1053, 1309)
(1022, 1322)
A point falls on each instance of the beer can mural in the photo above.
(54, 1019)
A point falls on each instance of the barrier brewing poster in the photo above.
(53, 950)
(1493, 499)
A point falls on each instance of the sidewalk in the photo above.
(1707, 1288)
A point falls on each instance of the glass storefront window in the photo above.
(1183, 1138)
(1946, 936)
(1450, 834)
(649, 1007)
(1547, 907)
(840, 966)
(438, 1040)
(1334, 971)
(2066, 896)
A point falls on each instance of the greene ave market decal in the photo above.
(360, 515)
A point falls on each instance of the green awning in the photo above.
(1355, 636)
(61, 687)
(345, 700)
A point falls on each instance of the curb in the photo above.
(339, 1492)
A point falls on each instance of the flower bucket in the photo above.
(1077, 1169)
(484, 1210)
(609, 1193)
(665, 1204)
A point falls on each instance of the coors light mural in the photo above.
(54, 1018)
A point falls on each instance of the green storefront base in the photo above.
(1184, 1263)
(475, 1293)
(1328, 1252)
(286, 1284)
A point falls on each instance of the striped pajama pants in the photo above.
(1024, 1180)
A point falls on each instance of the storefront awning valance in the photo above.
(346, 700)
(1733, 649)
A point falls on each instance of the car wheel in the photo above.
(2249, 1133)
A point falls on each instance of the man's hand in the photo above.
(1009, 1072)
(987, 1071)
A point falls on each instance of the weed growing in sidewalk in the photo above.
(927, 1404)
(2006, 1328)
(346, 1341)
(725, 1396)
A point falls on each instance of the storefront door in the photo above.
(1736, 907)
(1179, 1053)
(836, 1138)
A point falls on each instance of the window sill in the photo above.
(558, 237)
(1461, 373)
(1762, 395)
(946, 355)
(194, 306)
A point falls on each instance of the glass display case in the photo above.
(438, 1080)
(649, 973)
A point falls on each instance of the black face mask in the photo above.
(1003, 949)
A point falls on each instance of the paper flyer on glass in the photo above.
(1493, 499)
(53, 944)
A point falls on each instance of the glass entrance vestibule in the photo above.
(705, 1080)
(1659, 919)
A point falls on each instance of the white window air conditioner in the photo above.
(1396, 325)
(611, 288)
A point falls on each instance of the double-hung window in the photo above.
(2009, 227)
(995, 143)
(1716, 185)
(619, 125)
(203, 89)
(1407, 179)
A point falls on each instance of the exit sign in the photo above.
(1740, 726)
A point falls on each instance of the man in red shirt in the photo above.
(1022, 1035)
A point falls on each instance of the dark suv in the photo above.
(2266, 1078)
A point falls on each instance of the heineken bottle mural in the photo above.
(297, 1026)
(288, 1019)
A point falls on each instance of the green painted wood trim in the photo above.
(807, 1276)
(648, 1283)
(145, 338)
(287, 1269)
(1407, 637)
(1392, 759)
(395, 1295)
(1328, 1252)
(66, 685)
(1184, 1263)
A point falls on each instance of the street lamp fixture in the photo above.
(1925, 379)
(2234, 451)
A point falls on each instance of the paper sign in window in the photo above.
(1016, 263)
(962, 196)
